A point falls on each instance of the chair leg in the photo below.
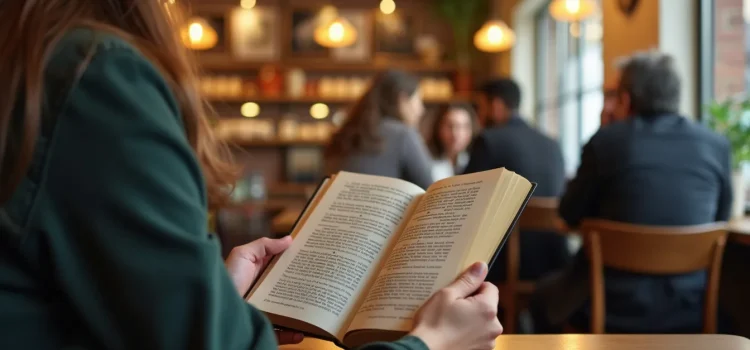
(509, 315)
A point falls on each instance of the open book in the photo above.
(370, 250)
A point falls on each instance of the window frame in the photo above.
(706, 57)
(571, 52)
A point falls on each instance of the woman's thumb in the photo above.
(469, 281)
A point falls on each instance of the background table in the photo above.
(739, 230)
(590, 342)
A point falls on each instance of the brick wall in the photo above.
(729, 48)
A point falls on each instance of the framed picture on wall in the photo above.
(255, 34)
(395, 34)
(302, 24)
(361, 50)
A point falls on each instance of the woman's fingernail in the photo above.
(477, 269)
(298, 337)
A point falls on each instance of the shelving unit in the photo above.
(223, 65)
(314, 99)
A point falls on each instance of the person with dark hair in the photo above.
(508, 141)
(379, 136)
(452, 132)
(651, 166)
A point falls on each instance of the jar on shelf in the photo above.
(430, 88)
(311, 88)
(288, 129)
(270, 80)
(322, 131)
(326, 87)
(358, 87)
(295, 83)
(444, 88)
(235, 87)
(341, 88)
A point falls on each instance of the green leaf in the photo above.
(730, 118)
(462, 15)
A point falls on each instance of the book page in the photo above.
(429, 251)
(320, 278)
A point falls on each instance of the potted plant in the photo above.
(731, 118)
(462, 15)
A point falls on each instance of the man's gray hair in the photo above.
(652, 81)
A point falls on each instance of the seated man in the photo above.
(653, 167)
(509, 142)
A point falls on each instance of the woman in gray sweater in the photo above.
(379, 136)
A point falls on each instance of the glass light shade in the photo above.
(336, 33)
(572, 10)
(199, 35)
(494, 36)
(387, 6)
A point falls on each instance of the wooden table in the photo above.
(740, 230)
(590, 342)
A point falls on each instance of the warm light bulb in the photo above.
(336, 31)
(250, 110)
(495, 34)
(196, 32)
(319, 111)
(573, 6)
(573, 10)
(199, 35)
(247, 4)
(387, 6)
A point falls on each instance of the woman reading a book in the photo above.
(107, 170)
(380, 137)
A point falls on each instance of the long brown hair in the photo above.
(360, 132)
(150, 25)
(434, 143)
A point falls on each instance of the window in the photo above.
(725, 53)
(569, 79)
(725, 45)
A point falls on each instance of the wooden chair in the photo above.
(540, 215)
(653, 250)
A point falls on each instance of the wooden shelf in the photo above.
(310, 100)
(213, 64)
(275, 143)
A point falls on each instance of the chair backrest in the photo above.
(655, 250)
(540, 215)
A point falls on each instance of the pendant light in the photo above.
(338, 32)
(572, 10)
(199, 35)
(494, 36)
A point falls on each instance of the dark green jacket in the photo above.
(104, 245)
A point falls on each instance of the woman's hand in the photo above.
(245, 262)
(462, 315)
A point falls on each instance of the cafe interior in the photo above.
(283, 75)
